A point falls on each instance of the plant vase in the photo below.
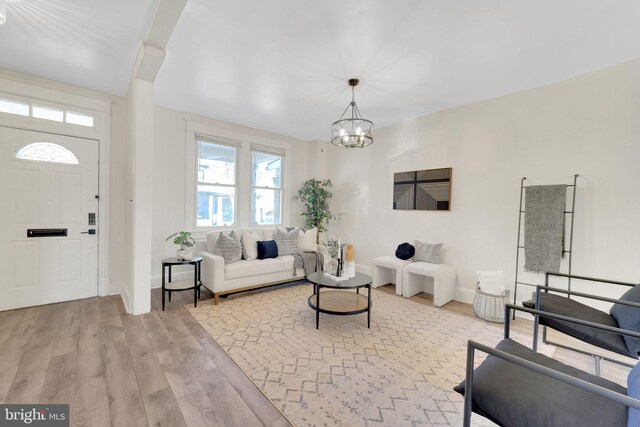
(185, 254)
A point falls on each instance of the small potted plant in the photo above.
(184, 239)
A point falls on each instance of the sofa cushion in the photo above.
(228, 247)
(511, 395)
(288, 241)
(287, 261)
(254, 267)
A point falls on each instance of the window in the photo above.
(79, 119)
(47, 152)
(13, 107)
(216, 192)
(266, 188)
(47, 113)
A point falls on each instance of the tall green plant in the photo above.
(315, 195)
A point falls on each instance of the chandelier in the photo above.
(352, 131)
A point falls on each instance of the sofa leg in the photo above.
(216, 298)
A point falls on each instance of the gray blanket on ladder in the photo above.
(544, 220)
(311, 262)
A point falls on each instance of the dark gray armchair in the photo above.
(515, 386)
(624, 315)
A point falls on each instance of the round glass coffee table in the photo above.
(339, 300)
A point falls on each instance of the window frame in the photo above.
(266, 150)
(236, 186)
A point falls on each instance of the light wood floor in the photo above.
(160, 368)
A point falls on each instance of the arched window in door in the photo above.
(47, 152)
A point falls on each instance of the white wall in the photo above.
(119, 259)
(588, 125)
(169, 175)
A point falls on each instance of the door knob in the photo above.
(90, 231)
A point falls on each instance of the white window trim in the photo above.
(283, 174)
(246, 138)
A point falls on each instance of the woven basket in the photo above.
(489, 306)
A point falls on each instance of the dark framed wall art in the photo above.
(425, 190)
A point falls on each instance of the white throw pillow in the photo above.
(308, 240)
(491, 281)
(250, 245)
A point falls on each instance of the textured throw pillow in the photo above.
(633, 390)
(427, 252)
(629, 317)
(308, 240)
(250, 245)
(405, 251)
(288, 241)
(267, 249)
(228, 247)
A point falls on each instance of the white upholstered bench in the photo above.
(388, 269)
(425, 277)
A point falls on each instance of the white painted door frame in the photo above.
(41, 92)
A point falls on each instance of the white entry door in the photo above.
(48, 191)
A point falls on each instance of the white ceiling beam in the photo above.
(167, 16)
(148, 63)
(152, 52)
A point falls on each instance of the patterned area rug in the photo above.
(398, 373)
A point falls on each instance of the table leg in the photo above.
(357, 290)
(163, 287)
(169, 274)
(369, 308)
(317, 306)
(169, 296)
(199, 266)
(195, 286)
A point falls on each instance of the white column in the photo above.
(140, 125)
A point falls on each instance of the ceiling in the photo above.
(87, 43)
(283, 65)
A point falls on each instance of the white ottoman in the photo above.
(438, 279)
(388, 269)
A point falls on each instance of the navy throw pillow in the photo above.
(267, 249)
(405, 251)
(629, 317)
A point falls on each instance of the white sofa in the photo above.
(221, 278)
